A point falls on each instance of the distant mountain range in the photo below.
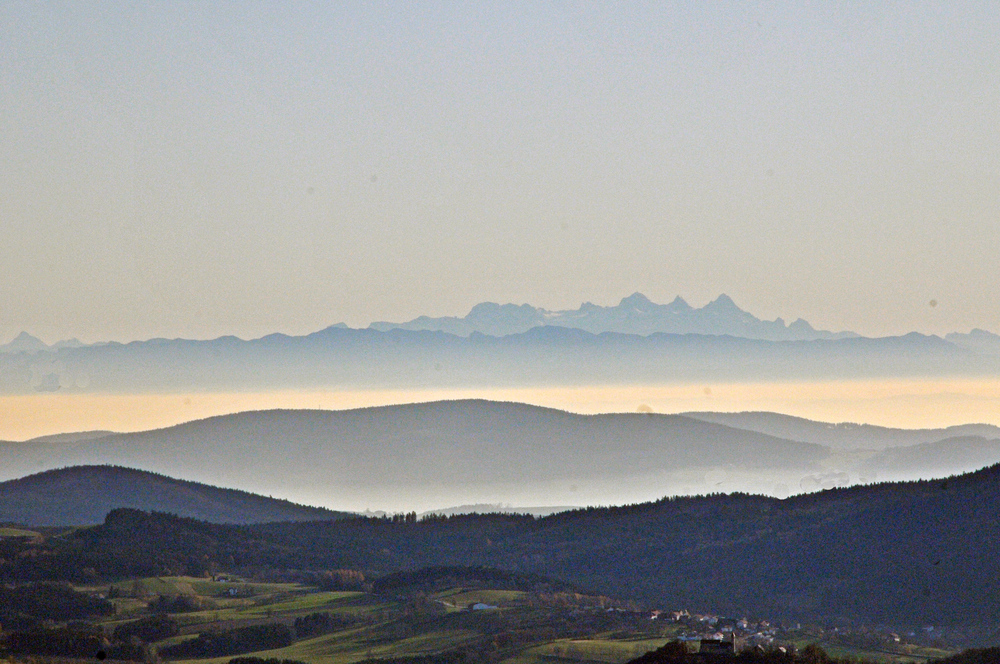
(425, 456)
(26, 343)
(85, 494)
(635, 314)
(497, 508)
(843, 435)
(636, 341)
(549, 355)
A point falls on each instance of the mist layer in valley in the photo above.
(435, 455)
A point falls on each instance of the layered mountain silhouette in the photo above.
(424, 456)
(979, 341)
(842, 435)
(23, 343)
(26, 343)
(547, 355)
(635, 314)
(636, 341)
(85, 494)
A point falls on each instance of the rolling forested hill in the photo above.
(85, 494)
(842, 435)
(431, 455)
(427, 456)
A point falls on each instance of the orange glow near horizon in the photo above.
(894, 403)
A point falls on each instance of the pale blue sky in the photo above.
(198, 169)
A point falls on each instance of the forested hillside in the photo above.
(910, 553)
(85, 494)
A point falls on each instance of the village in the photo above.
(718, 634)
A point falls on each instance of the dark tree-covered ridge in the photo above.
(83, 495)
(898, 554)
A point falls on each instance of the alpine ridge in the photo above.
(635, 314)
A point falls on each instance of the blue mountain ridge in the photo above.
(635, 314)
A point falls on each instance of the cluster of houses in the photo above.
(235, 591)
(718, 633)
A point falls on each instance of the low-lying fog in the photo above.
(438, 456)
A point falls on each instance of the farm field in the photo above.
(511, 626)
(518, 626)
(17, 532)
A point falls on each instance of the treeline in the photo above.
(232, 641)
(449, 657)
(25, 606)
(677, 652)
(76, 640)
(132, 543)
(319, 623)
(130, 641)
(35, 635)
(434, 579)
(149, 629)
(180, 604)
(338, 579)
(973, 656)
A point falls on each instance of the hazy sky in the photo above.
(198, 169)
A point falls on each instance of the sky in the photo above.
(199, 169)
